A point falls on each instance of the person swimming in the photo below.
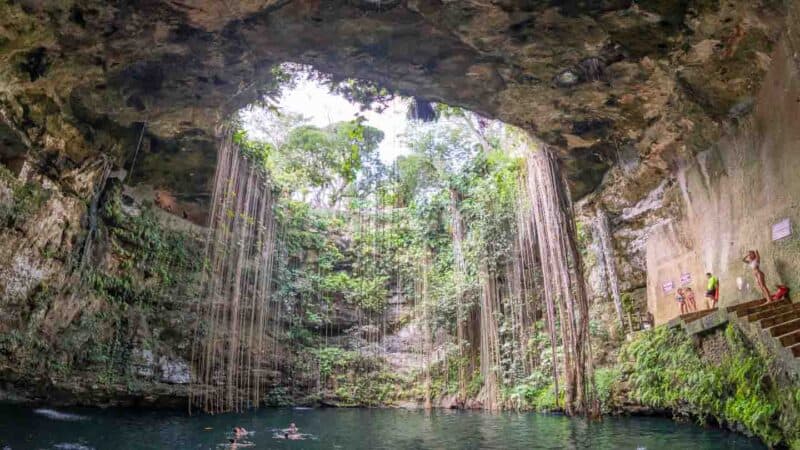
(292, 433)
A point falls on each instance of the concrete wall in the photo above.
(732, 195)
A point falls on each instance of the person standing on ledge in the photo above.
(681, 299)
(691, 305)
(753, 259)
(712, 290)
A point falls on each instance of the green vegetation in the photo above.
(666, 371)
(356, 233)
(138, 278)
(25, 199)
(355, 379)
(318, 164)
(151, 262)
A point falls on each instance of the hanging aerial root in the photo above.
(230, 347)
(553, 225)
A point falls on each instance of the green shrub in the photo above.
(278, 396)
(605, 380)
(667, 372)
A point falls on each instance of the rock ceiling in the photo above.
(650, 81)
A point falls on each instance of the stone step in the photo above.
(790, 339)
(781, 317)
(781, 340)
(784, 328)
(740, 306)
(772, 312)
(761, 308)
(696, 315)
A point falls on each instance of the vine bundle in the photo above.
(231, 346)
(550, 210)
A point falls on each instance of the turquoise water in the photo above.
(27, 428)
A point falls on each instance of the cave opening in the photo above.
(397, 233)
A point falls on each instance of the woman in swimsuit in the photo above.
(753, 259)
(681, 299)
(689, 293)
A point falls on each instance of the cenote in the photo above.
(23, 428)
(400, 224)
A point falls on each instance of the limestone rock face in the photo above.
(44, 223)
(591, 78)
(174, 371)
(143, 363)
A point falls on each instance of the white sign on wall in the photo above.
(686, 278)
(781, 230)
(667, 287)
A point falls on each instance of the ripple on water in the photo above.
(72, 446)
(57, 415)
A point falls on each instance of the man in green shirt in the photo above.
(712, 290)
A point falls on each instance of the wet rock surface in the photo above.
(174, 371)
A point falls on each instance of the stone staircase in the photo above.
(776, 321)
(776, 325)
(697, 315)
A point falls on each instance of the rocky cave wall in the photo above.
(731, 196)
(631, 93)
(711, 200)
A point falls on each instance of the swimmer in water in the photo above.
(292, 433)
(239, 432)
(287, 436)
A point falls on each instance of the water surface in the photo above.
(31, 428)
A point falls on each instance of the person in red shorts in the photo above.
(712, 291)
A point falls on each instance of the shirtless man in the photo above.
(753, 259)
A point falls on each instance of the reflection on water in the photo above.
(26, 428)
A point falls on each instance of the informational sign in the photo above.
(667, 287)
(781, 230)
(686, 279)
